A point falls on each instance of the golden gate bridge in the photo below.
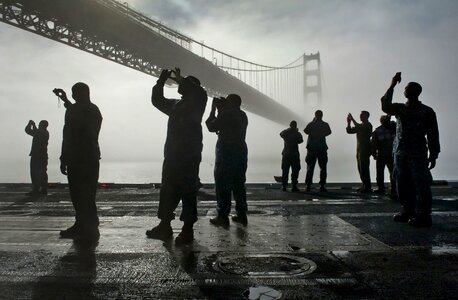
(119, 33)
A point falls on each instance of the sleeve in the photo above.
(374, 146)
(30, 129)
(307, 128)
(300, 140)
(388, 106)
(212, 123)
(65, 139)
(432, 135)
(352, 130)
(328, 130)
(159, 101)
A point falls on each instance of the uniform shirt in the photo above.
(317, 131)
(363, 137)
(230, 125)
(416, 129)
(184, 130)
(292, 138)
(39, 141)
(80, 143)
(382, 140)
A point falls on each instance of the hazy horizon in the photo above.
(362, 44)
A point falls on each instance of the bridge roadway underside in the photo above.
(102, 30)
(334, 245)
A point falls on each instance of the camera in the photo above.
(219, 103)
(57, 92)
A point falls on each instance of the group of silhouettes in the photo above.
(377, 143)
(408, 148)
(403, 149)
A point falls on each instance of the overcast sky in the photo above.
(362, 44)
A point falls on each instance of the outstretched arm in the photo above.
(62, 96)
(157, 96)
(387, 100)
(351, 130)
(31, 128)
(212, 122)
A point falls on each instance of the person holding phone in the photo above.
(416, 149)
(363, 133)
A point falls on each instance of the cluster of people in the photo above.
(404, 150)
(401, 146)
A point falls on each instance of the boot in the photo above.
(402, 217)
(87, 235)
(240, 218)
(220, 220)
(186, 236)
(163, 231)
(70, 232)
(421, 221)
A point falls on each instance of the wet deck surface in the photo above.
(335, 245)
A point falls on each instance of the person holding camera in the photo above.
(231, 158)
(363, 133)
(317, 149)
(80, 160)
(417, 134)
(290, 155)
(382, 151)
(38, 157)
(182, 154)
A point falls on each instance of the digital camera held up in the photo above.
(219, 103)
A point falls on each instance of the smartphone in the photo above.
(398, 77)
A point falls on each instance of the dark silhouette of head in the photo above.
(412, 90)
(385, 119)
(293, 124)
(182, 88)
(364, 116)
(319, 115)
(43, 124)
(233, 101)
(80, 92)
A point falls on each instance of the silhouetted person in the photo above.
(290, 155)
(416, 133)
(231, 158)
(382, 151)
(363, 132)
(38, 157)
(317, 149)
(182, 154)
(80, 160)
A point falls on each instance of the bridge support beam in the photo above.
(312, 79)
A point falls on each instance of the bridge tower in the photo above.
(312, 79)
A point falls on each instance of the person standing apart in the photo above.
(80, 160)
(38, 157)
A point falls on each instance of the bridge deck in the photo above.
(103, 30)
